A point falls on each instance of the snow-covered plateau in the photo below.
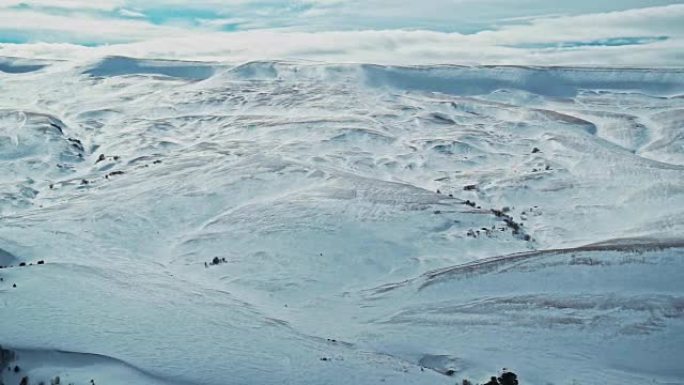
(307, 223)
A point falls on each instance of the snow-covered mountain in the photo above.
(307, 223)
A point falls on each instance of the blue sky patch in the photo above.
(609, 42)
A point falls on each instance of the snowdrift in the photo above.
(10, 65)
(477, 80)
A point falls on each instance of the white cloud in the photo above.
(67, 4)
(509, 44)
(666, 20)
(44, 26)
(131, 13)
(391, 47)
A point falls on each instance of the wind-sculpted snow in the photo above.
(554, 82)
(119, 66)
(557, 82)
(78, 367)
(18, 66)
(304, 223)
(6, 258)
(618, 306)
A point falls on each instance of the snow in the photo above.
(18, 65)
(318, 184)
(117, 66)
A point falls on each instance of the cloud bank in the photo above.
(625, 33)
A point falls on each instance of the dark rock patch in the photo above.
(77, 144)
(216, 261)
(113, 173)
(61, 131)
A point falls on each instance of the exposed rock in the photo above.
(113, 173)
(77, 144)
(508, 378)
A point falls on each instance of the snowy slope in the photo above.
(379, 224)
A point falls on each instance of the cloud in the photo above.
(164, 29)
(130, 13)
(653, 21)
(388, 47)
(84, 28)
(65, 4)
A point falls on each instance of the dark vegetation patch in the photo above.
(215, 261)
(506, 378)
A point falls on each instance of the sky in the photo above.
(545, 32)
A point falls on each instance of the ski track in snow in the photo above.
(379, 224)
